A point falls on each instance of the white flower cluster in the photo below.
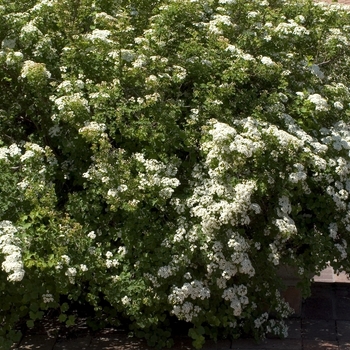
(157, 174)
(185, 309)
(258, 322)
(13, 57)
(11, 151)
(227, 1)
(338, 136)
(277, 327)
(29, 33)
(194, 290)
(336, 35)
(214, 26)
(218, 261)
(233, 208)
(342, 249)
(237, 297)
(99, 35)
(34, 70)
(274, 256)
(68, 86)
(305, 139)
(240, 255)
(339, 196)
(237, 52)
(174, 266)
(71, 102)
(291, 27)
(319, 102)
(267, 61)
(111, 262)
(245, 146)
(285, 139)
(71, 273)
(333, 230)
(179, 73)
(48, 298)
(92, 129)
(9, 247)
(126, 300)
(43, 3)
(285, 224)
(300, 175)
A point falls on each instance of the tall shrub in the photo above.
(162, 159)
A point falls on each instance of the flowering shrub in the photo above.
(162, 160)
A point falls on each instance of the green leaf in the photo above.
(62, 317)
(34, 307)
(70, 321)
(30, 323)
(64, 307)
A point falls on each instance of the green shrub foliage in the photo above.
(162, 160)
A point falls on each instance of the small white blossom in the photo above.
(338, 105)
(92, 235)
(319, 102)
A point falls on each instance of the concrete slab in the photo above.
(320, 345)
(246, 344)
(219, 345)
(268, 344)
(343, 330)
(118, 342)
(37, 342)
(319, 330)
(294, 328)
(344, 345)
(81, 343)
(342, 308)
(285, 344)
(318, 308)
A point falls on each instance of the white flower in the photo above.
(92, 235)
(14, 57)
(262, 319)
(267, 61)
(71, 271)
(48, 298)
(35, 69)
(126, 300)
(66, 259)
(9, 246)
(252, 14)
(338, 105)
(320, 103)
(227, 1)
(315, 69)
(98, 34)
(14, 150)
(83, 267)
(27, 155)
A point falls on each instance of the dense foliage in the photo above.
(162, 159)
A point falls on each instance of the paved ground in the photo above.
(324, 324)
